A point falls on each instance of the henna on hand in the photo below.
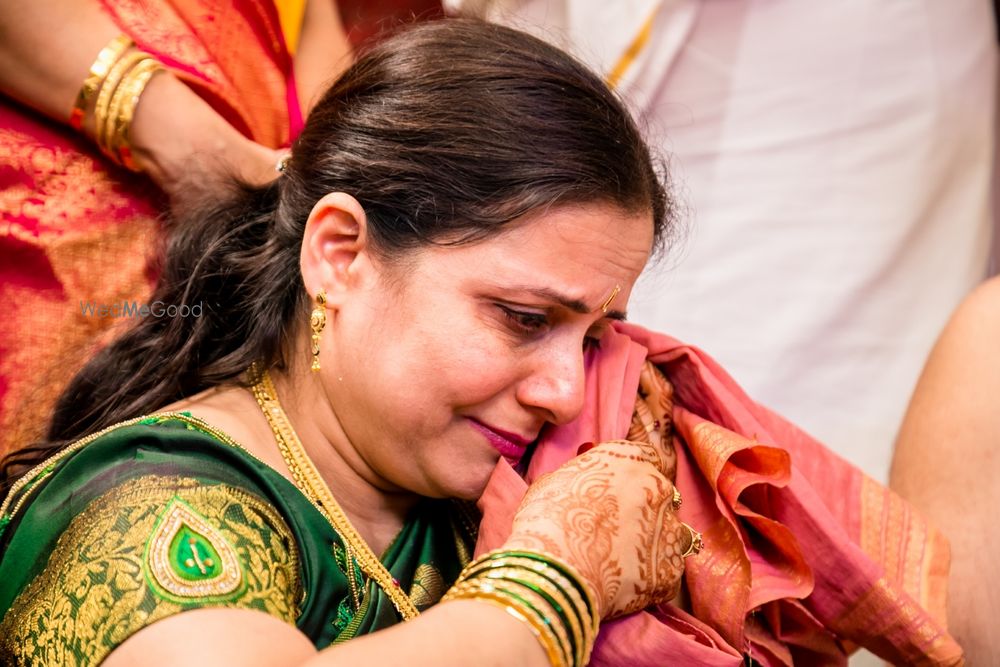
(652, 420)
(608, 513)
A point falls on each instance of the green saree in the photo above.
(163, 514)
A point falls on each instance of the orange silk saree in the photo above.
(805, 557)
(76, 229)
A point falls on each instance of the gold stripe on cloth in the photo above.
(95, 590)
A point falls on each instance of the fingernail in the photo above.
(584, 448)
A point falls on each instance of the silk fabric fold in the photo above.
(805, 557)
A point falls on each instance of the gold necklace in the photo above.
(311, 484)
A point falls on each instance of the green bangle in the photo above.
(562, 608)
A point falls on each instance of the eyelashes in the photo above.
(525, 322)
(532, 325)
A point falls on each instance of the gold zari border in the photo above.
(94, 593)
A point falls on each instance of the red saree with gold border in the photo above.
(76, 228)
(805, 556)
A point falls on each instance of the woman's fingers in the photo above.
(642, 428)
(609, 514)
(187, 147)
(658, 394)
(651, 419)
(660, 546)
(254, 163)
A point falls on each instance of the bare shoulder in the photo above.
(979, 314)
(214, 636)
(968, 351)
(946, 458)
(951, 418)
(966, 359)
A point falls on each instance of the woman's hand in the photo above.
(609, 513)
(185, 146)
(176, 137)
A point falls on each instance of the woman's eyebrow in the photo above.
(570, 303)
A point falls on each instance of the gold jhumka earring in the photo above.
(317, 320)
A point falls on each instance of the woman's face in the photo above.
(459, 357)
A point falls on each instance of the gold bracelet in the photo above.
(548, 567)
(487, 592)
(554, 596)
(566, 569)
(118, 101)
(542, 609)
(561, 576)
(102, 110)
(108, 56)
(123, 106)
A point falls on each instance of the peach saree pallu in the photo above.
(78, 232)
(805, 558)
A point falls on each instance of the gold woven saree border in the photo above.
(42, 470)
(94, 591)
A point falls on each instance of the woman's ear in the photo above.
(334, 246)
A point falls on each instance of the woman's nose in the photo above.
(556, 385)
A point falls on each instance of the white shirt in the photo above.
(835, 162)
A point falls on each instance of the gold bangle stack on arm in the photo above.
(490, 594)
(123, 106)
(102, 110)
(107, 57)
(308, 480)
(546, 594)
(554, 596)
(118, 78)
(117, 102)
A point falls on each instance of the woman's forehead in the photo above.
(572, 246)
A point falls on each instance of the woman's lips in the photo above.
(510, 445)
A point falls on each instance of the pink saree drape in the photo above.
(805, 557)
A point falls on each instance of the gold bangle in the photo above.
(123, 106)
(102, 110)
(585, 609)
(559, 574)
(107, 57)
(551, 561)
(553, 597)
(487, 592)
(543, 611)
(504, 602)
(587, 620)
(118, 100)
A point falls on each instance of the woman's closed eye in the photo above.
(530, 324)
(525, 323)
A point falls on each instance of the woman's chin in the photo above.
(468, 487)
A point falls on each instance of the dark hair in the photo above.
(445, 133)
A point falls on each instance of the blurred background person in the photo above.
(232, 83)
(837, 160)
(947, 460)
(226, 84)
